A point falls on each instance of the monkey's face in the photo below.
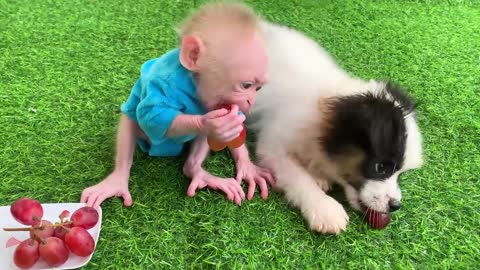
(240, 92)
(234, 76)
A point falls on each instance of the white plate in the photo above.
(51, 211)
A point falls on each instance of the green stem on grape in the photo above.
(65, 228)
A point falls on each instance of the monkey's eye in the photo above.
(246, 85)
(258, 88)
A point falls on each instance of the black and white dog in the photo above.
(317, 125)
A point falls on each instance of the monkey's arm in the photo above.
(185, 124)
(201, 178)
(252, 173)
(160, 116)
(162, 120)
(219, 124)
(197, 155)
(128, 131)
(116, 184)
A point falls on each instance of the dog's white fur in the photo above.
(301, 73)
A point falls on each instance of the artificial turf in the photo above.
(66, 66)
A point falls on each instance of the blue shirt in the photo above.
(164, 90)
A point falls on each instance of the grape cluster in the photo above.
(52, 243)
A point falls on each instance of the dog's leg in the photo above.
(352, 197)
(322, 213)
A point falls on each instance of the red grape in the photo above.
(60, 232)
(85, 217)
(79, 241)
(43, 231)
(377, 220)
(26, 211)
(53, 251)
(26, 254)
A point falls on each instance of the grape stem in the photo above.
(27, 229)
(35, 235)
(17, 229)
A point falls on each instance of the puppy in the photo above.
(316, 125)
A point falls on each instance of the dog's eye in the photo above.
(380, 168)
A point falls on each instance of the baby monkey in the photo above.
(221, 60)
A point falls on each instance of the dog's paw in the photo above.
(326, 216)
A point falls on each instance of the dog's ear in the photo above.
(407, 104)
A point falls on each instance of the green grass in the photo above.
(66, 66)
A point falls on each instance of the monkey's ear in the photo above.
(190, 51)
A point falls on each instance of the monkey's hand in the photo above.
(116, 184)
(254, 175)
(230, 187)
(222, 125)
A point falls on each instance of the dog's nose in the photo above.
(394, 205)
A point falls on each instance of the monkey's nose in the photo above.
(249, 105)
(394, 205)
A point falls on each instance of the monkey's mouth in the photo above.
(228, 106)
(221, 105)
